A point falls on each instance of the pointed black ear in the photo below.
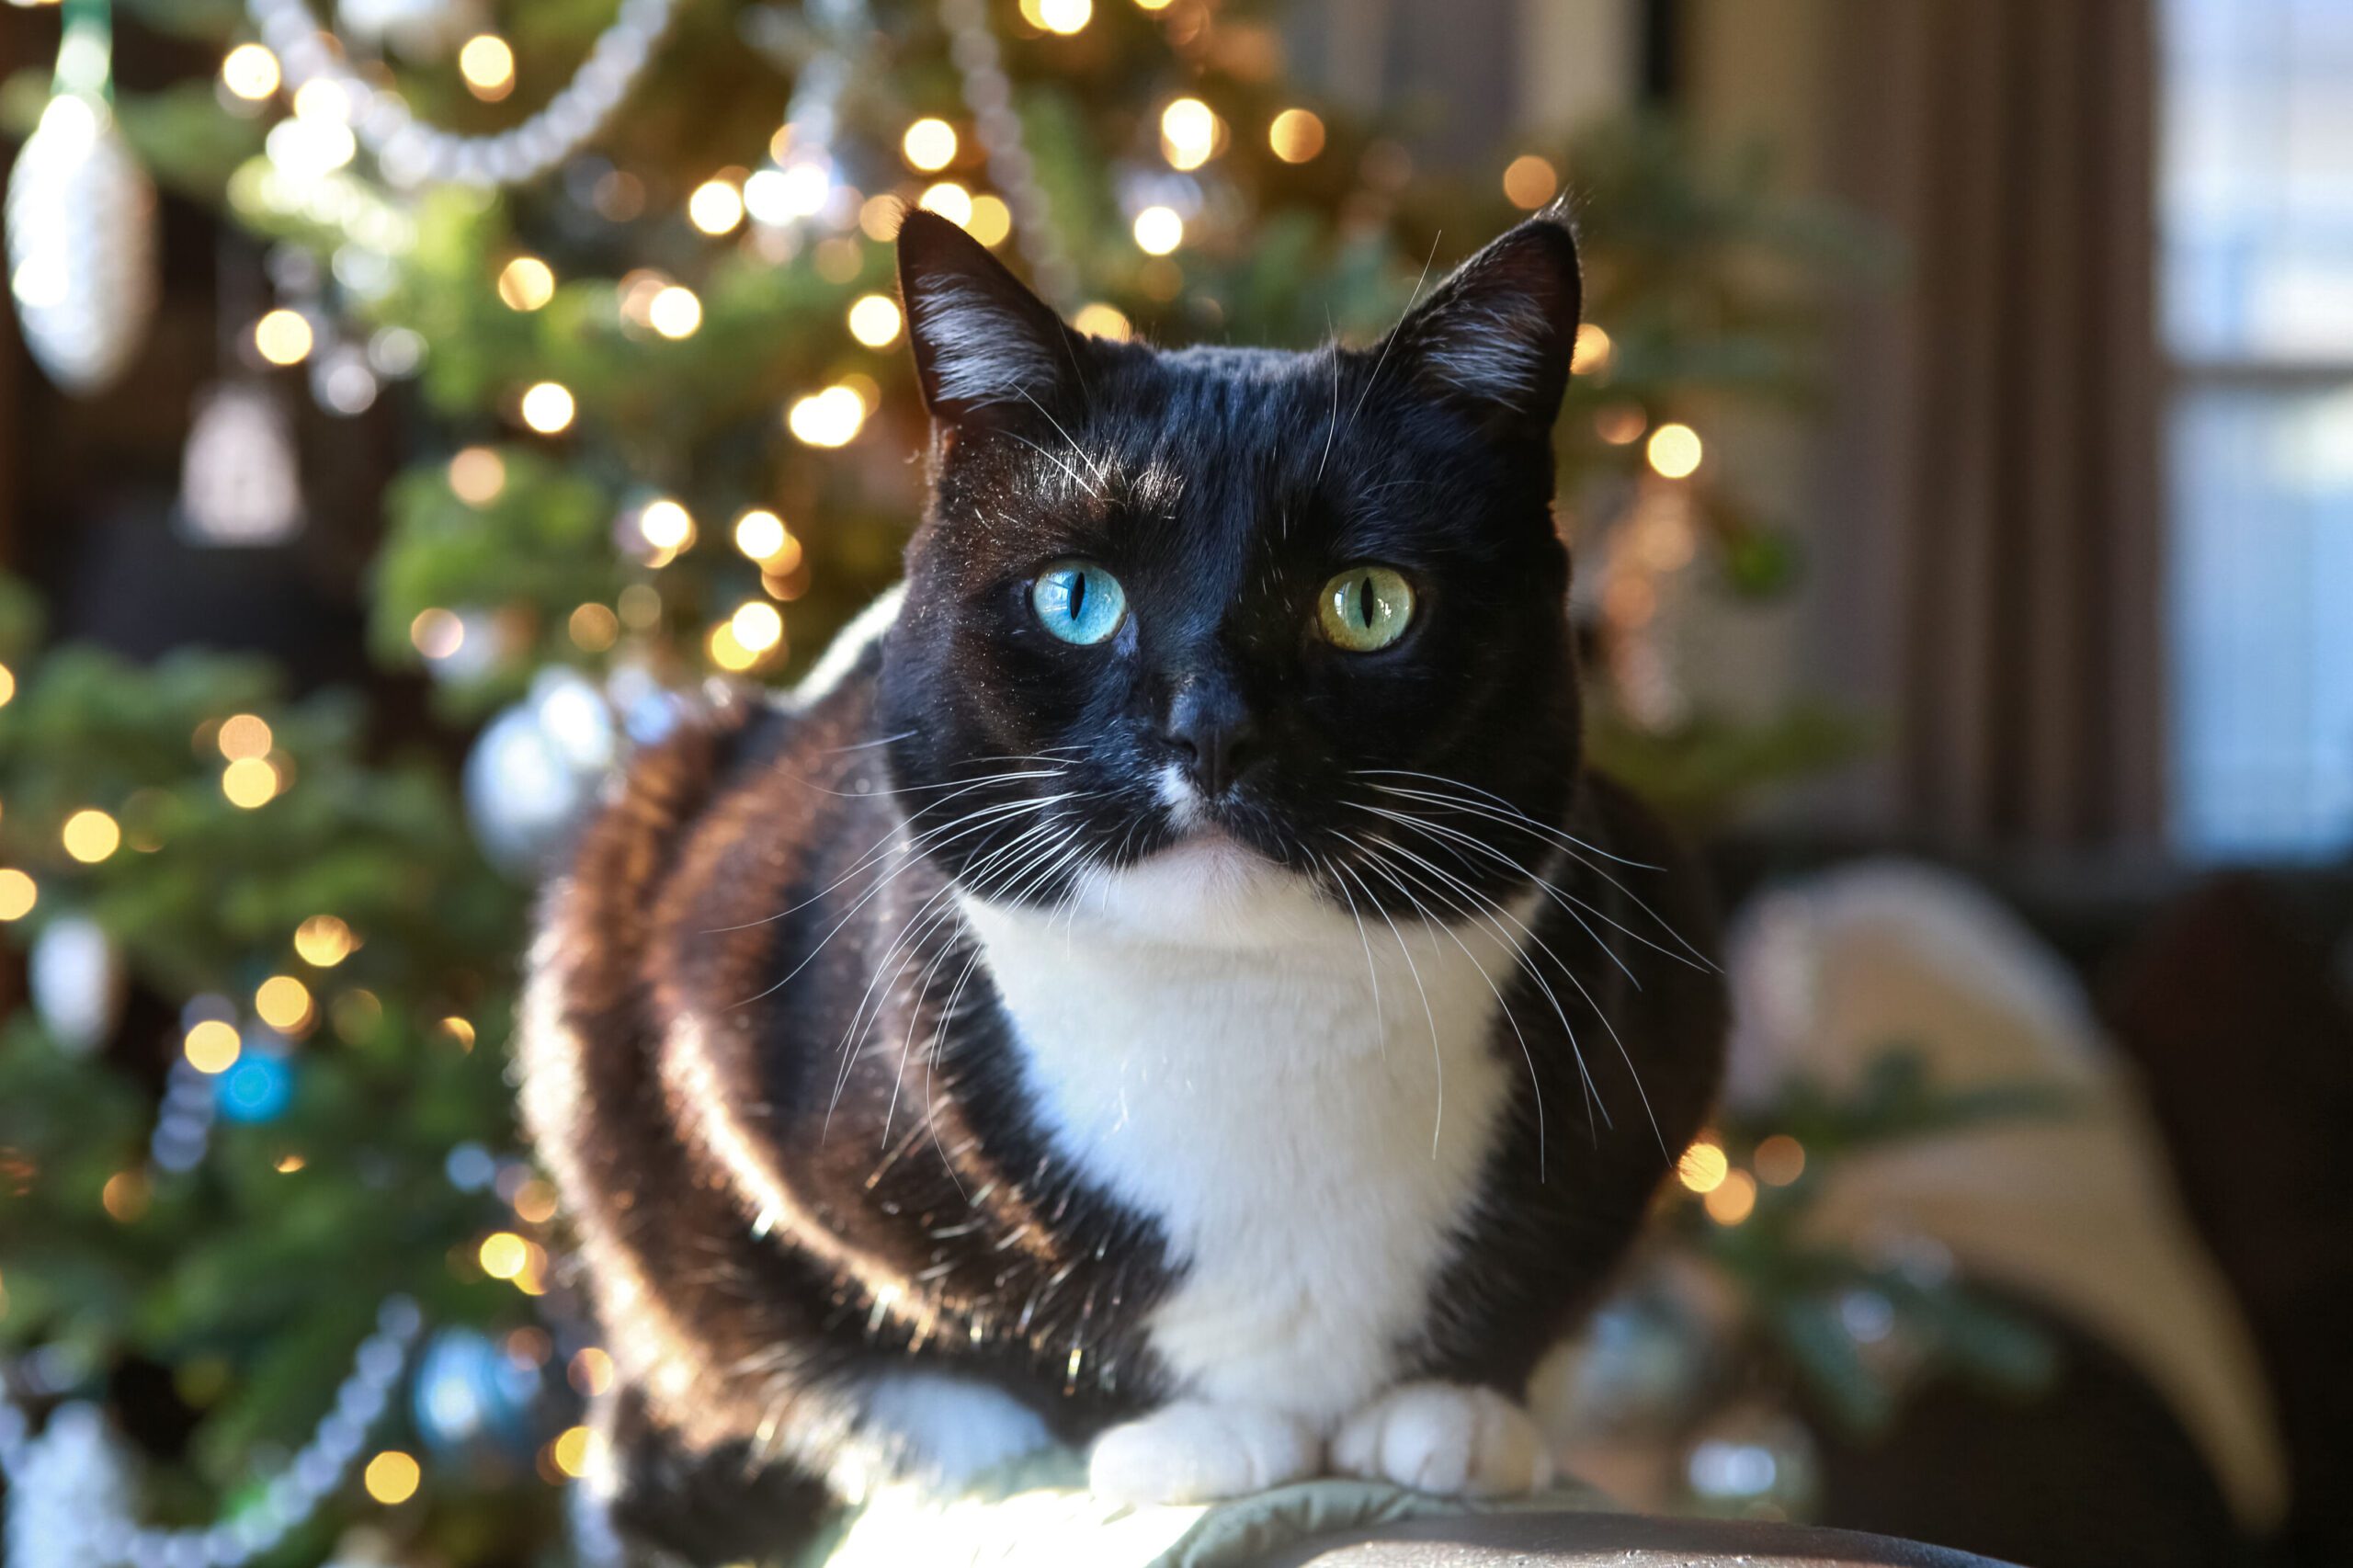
(982, 341)
(1497, 335)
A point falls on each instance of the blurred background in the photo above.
(405, 402)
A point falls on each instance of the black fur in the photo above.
(765, 1059)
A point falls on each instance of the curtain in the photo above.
(1988, 563)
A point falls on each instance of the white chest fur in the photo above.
(1305, 1104)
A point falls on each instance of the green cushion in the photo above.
(1039, 1511)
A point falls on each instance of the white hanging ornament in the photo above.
(421, 29)
(536, 768)
(240, 475)
(74, 973)
(81, 221)
(69, 1496)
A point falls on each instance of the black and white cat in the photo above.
(1164, 982)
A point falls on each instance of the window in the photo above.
(2257, 267)
(2257, 316)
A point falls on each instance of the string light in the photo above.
(1099, 320)
(675, 311)
(1296, 135)
(666, 525)
(1702, 1167)
(436, 633)
(727, 652)
(829, 418)
(591, 1371)
(594, 627)
(1154, 5)
(797, 190)
(250, 71)
(487, 64)
(1159, 230)
(1530, 181)
(249, 782)
(244, 734)
(572, 1450)
(929, 145)
(1589, 355)
(716, 206)
(503, 1255)
(213, 1046)
(548, 408)
(526, 283)
(760, 535)
(1779, 1159)
(950, 200)
(283, 1002)
(1621, 424)
(991, 220)
(875, 321)
(18, 893)
(283, 337)
(392, 1477)
(1188, 132)
(460, 1031)
(323, 941)
(1063, 17)
(477, 476)
(91, 836)
(7, 686)
(1675, 451)
(1732, 1201)
(757, 626)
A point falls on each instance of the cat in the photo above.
(1165, 982)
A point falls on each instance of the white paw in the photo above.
(1193, 1453)
(1446, 1438)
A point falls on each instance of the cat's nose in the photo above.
(1213, 735)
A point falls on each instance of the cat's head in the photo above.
(1269, 619)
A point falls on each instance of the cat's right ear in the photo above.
(985, 347)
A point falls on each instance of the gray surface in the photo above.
(1615, 1540)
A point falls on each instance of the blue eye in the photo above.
(1079, 602)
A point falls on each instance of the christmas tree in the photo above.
(275, 1279)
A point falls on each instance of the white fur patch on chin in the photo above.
(1444, 1439)
(1198, 1452)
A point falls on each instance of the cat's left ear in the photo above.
(985, 347)
(1496, 337)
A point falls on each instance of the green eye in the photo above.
(1078, 601)
(1365, 609)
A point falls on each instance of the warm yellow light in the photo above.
(323, 941)
(1296, 135)
(1732, 1202)
(1675, 450)
(1099, 320)
(477, 476)
(829, 418)
(436, 633)
(716, 206)
(1530, 181)
(1590, 354)
(251, 72)
(91, 836)
(1702, 1167)
(727, 652)
(249, 782)
(950, 200)
(1159, 230)
(526, 283)
(930, 144)
(488, 66)
(535, 1202)
(18, 893)
(1064, 17)
(594, 627)
(392, 1477)
(503, 1255)
(1781, 1160)
(674, 312)
(760, 535)
(592, 1371)
(461, 1030)
(283, 1002)
(125, 1196)
(7, 686)
(991, 220)
(1154, 5)
(213, 1046)
(874, 320)
(666, 525)
(573, 1450)
(244, 734)
(548, 408)
(1621, 424)
(1188, 131)
(288, 1163)
(322, 98)
(283, 337)
(757, 626)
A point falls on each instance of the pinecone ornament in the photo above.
(81, 221)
